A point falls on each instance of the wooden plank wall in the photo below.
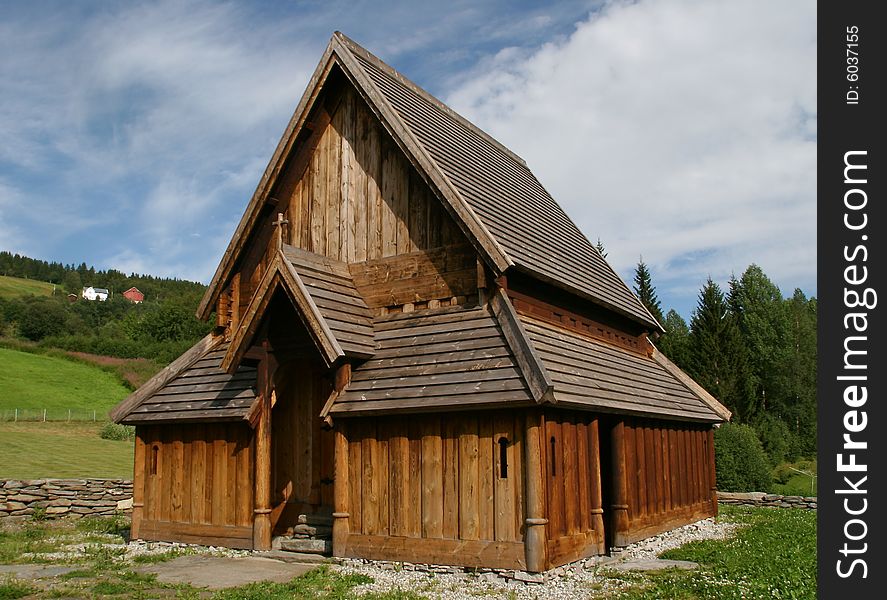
(301, 449)
(571, 464)
(197, 483)
(669, 475)
(350, 193)
(431, 489)
(359, 198)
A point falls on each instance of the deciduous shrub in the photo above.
(113, 431)
(740, 461)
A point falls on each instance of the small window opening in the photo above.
(553, 458)
(503, 457)
(155, 454)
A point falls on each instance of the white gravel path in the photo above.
(582, 579)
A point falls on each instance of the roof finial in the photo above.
(280, 222)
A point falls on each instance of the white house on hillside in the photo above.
(94, 293)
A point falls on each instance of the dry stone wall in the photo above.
(772, 500)
(54, 498)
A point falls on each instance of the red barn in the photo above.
(134, 295)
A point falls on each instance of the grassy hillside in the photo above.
(36, 382)
(38, 450)
(14, 287)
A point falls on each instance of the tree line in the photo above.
(160, 328)
(754, 350)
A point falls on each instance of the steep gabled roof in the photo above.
(325, 299)
(498, 203)
(193, 388)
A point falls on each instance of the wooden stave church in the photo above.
(414, 339)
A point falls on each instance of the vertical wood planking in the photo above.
(318, 195)
(451, 469)
(597, 504)
(432, 477)
(570, 477)
(650, 470)
(220, 475)
(394, 429)
(244, 479)
(355, 474)
(554, 465)
(371, 483)
(418, 219)
(360, 173)
(231, 469)
(584, 482)
(414, 487)
(468, 478)
(166, 473)
(486, 468)
(641, 472)
(373, 154)
(333, 192)
(348, 207)
(197, 484)
(382, 448)
(519, 471)
(392, 196)
(503, 491)
(630, 476)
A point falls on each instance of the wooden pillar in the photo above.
(712, 473)
(534, 541)
(597, 506)
(262, 510)
(619, 506)
(138, 488)
(341, 504)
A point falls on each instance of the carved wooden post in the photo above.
(341, 508)
(138, 488)
(710, 436)
(619, 506)
(534, 541)
(597, 506)
(262, 511)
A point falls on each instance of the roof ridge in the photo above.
(391, 71)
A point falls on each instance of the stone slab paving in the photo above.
(218, 572)
(32, 572)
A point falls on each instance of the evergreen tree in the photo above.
(675, 342)
(600, 248)
(717, 356)
(643, 287)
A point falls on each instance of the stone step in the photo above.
(316, 520)
(290, 556)
(318, 531)
(304, 546)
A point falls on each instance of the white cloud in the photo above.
(681, 130)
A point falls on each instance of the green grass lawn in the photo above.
(14, 287)
(38, 450)
(35, 382)
(772, 556)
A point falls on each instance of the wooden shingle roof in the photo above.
(489, 191)
(592, 374)
(521, 216)
(455, 358)
(193, 388)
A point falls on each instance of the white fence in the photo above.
(51, 414)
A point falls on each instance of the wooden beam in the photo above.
(530, 363)
(262, 510)
(341, 493)
(535, 538)
(619, 505)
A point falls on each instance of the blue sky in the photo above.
(133, 134)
